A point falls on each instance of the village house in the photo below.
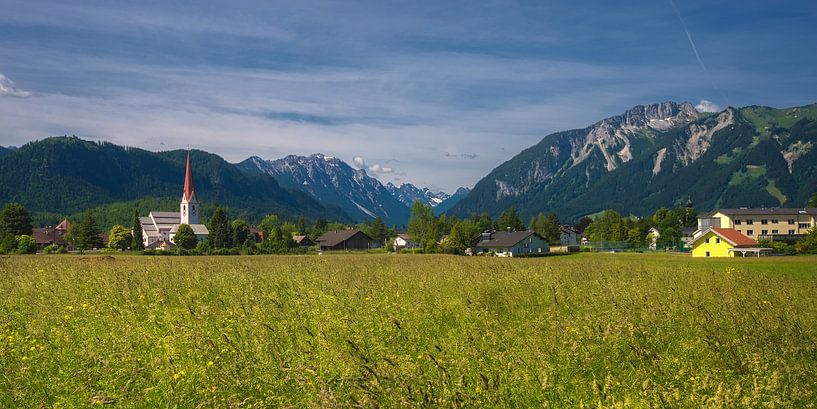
(52, 235)
(344, 240)
(302, 241)
(568, 236)
(761, 223)
(510, 243)
(725, 242)
(404, 241)
(160, 227)
(653, 234)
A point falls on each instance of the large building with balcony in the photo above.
(762, 223)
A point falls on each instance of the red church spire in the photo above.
(189, 190)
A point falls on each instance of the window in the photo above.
(803, 225)
(764, 221)
(750, 221)
(764, 232)
(707, 254)
(775, 221)
(750, 232)
(775, 232)
(718, 240)
(737, 222)
(707, 240)
(791, 221)
(791, 232)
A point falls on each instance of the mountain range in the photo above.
(65, 175)
(331, 180)
(664, 154)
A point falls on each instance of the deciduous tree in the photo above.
(119, 238)
(185, 238)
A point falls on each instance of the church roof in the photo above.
(189, 189)
(197, 229)
(147, 224)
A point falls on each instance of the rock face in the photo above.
(332, 181)
(658, 155)
(408, 194)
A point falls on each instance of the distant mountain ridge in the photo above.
(408, 194)
(331, 180)
(67, 174)
(659, 155)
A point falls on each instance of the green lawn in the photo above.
(610, 330)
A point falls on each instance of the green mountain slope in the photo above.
(660, 155)
(66, 174)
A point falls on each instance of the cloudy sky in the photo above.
(436, 93)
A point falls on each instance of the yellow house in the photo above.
(721, 242)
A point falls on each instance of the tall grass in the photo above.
(389, 330)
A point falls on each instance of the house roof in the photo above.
(301, 239)
(568, 229)
(731, 236)
(160, 244)
(64, 225)
(189, 189)
(744, 211)
(47, 236)
(405, 236)
(335, 237)
(503, 238)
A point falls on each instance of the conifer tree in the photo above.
(136, 241)
(220, 235)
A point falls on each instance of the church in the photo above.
(159, 228)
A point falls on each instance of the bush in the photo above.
(779, 247)
(54, 249)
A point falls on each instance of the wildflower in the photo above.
(69, 307)
(178, 375)
(209, 363)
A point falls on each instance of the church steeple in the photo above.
(189, 189)
(189, 206)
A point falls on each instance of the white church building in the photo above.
(159, 228)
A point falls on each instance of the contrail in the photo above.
(695, 50)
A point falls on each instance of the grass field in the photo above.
(609, 330)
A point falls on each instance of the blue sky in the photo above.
(436, 93)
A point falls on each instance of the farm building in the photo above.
(345, 240)
(510, 243)
(722, 242)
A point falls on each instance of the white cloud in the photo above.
(359, 162)
(9, 88)
(708, 106)
(376, 169)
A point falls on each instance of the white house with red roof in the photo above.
(160, 227)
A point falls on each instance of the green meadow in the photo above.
(380, 330)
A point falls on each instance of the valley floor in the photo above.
(407, 330)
